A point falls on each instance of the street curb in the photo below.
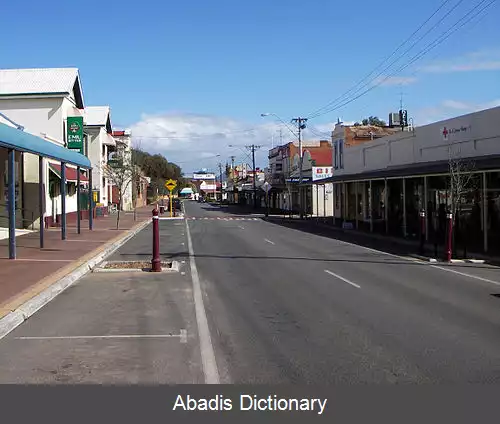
(15, 318)
(424, 258)
(168, 218)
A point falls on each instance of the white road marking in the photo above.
(496, 283)
(268, 241)
(422, 263)
(345, 280)
(239, 226)
(110, 336)
(183, 336)
(207, 350)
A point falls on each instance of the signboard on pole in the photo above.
(267, 187)
(74, 132)
(322, 172)
(207, 176)
(170, 185)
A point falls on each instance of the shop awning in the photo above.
(481, 163)
(12, 138)
(71, 174)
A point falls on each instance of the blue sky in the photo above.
(197, 70)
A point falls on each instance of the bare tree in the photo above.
(462, 181)
(121, 172)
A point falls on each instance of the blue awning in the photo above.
(12, 138)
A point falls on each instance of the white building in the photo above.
(385, 183)
(100, 143)
(41, 100)
(123, 141)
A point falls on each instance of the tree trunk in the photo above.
(119, 208)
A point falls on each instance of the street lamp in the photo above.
(263, 115)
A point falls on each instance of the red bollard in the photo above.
(156, 261)
(449, 236)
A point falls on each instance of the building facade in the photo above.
(123, 139)
(449, 166)
(100, 144)
(41, 100)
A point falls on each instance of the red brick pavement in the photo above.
(37, 268)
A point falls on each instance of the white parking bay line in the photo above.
(345, 280)
(111, 336)
(268, 241)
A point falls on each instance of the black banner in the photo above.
(237, 404)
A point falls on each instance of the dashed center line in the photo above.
(268, 241)
(345, 280)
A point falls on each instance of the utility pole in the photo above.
(220, 171)
(301, 125)
(253, 147)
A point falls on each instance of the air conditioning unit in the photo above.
(394, 120)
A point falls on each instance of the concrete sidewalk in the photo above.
(37, 269)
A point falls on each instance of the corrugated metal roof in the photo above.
(37, 81)
(97, 115)
(12, 138)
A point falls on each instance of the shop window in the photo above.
(335, 155)
(71, 189)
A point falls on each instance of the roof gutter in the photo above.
(19, 127)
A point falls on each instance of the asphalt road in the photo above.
(257, 302)
(287, 306)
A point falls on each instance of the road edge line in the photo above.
(16, 317)
(209, 363)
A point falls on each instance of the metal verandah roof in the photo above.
(12, 138)
(481, 163)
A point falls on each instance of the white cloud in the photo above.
(194, 140)
(449, 109)
(391, 81)
(482, 60)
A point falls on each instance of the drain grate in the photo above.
(133, 266)
(496, 294)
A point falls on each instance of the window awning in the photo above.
(109, 140)
(12, 138)
(71, 174)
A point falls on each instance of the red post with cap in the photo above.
(449, 236)
(156, 261)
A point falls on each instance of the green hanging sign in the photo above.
(75, 133)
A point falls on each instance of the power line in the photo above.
(311, 115)
(439, 40)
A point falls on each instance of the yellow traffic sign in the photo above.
(170, 185)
